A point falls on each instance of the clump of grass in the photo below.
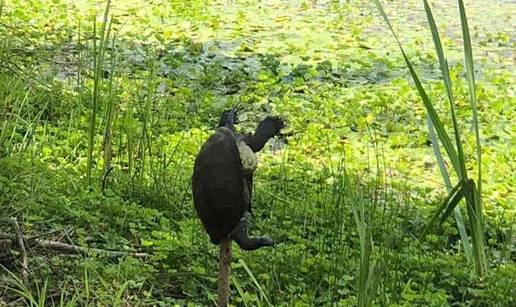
(18, 287)
(371, 206)
(466, 188)
(370, 268)
(99, 53)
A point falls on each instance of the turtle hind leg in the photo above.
(241, 236)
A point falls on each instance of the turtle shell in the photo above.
(220, 194)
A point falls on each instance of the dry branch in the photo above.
(21, 244)
(73, 249)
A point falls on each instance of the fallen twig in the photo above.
(73, 249)
(21, 244)
(5, 247)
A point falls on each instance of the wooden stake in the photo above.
(224, 272)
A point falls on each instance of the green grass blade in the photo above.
(365, 268)
(507, 244)
(376, 272)
(446, 177)
(477, 228)
(256, 283)
(93, 115)
(99, 50)
(439, 127)
(443, 63)
(19, 288)
(212, 298)
(472, 200)
(111, 110)
(117, 300)
(436, 122)
(240, 291)
(470, 73)
(42, 293)
(474, 195)
(452, 204)
(443, 207)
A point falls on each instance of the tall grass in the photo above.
(447, 181)
(466, 188)
(18, 287)
(99, 52)
(372, 207)
(37, 294)
(369, 270)
(111, 113)
(144, 145)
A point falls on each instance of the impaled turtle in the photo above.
(223, 179)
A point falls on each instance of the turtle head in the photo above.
(228, 118)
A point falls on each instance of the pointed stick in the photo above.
(224, 272)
